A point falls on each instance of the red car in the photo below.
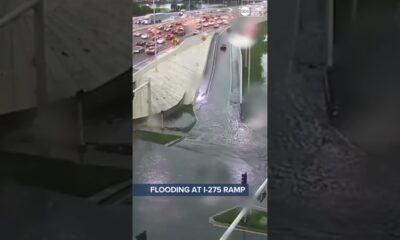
(170, 36)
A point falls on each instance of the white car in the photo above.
(138, 50)
(161, 40)
(144, 36)
(137, 34)
(196, 32)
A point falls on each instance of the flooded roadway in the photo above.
(217, 150)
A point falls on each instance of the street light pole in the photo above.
(245, 57)
(202, 14)
(248, 70)
(155, 38)
(240, 83)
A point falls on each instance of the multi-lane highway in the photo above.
(191, 25)
(138, 22)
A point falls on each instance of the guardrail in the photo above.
(216, 43)
(212, 44)
(243, 212)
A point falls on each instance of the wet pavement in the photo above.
(321, 186)
(217, 150)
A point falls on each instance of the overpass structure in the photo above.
(82, 48)
(174, 81)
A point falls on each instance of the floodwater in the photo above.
(217, 150)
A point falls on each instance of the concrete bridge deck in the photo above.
(177, 78)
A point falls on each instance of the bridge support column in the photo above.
(149, 96)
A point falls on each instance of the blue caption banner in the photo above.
(141, 190)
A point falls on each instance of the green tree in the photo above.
(137, 10)
(142, 10)
(174, 6)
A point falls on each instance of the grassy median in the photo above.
(155, 137)
(256, 221)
